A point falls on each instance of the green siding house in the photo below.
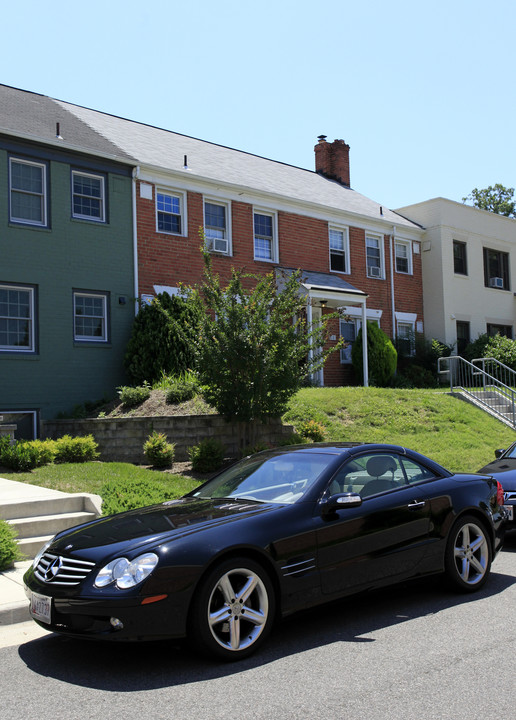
(67, 276)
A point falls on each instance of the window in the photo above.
(90, 316)
(339, 250)
(17, 332)
(170, 212)
(375, 473)
(349, 328)
(505, 330)
(496, 269)
(460, 266)
(216, 226)
(403, 257)
(405, 339)
(265, 236)
(374, 256)
(88, 200)
(26, 422)
(463, 336)
(27, 192)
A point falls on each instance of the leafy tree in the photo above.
(495, 198)
(381, 356)
(163, 337)
(255, 348)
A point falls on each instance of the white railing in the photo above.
(486, 381)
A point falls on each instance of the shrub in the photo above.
(502, 349)
(20, 457)
(163, 337)
(158, 451)
(75, 449)
(382, 356)
(121, 495)
(182, 387)
(132, 396)
(312, 430)
(46, 450)
(9, 550)
(292, 439)
(207, 456)
(477, 348)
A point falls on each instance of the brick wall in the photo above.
(303, 243)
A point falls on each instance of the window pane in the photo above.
(337, 261)
(90, 317)
(215, 216)
(15, 319)
(26, 177)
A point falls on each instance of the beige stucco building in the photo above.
(469, 270)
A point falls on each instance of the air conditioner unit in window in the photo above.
(496, 282)
(374, 272)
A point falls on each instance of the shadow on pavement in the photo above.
(132, 667)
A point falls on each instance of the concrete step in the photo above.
(29, 547)
(28, 527)
(42, 506)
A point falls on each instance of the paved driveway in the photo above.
(414, 652)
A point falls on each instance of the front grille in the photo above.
(59, 570)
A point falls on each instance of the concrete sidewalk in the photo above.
(14, 605)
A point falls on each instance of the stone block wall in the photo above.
(122, 439)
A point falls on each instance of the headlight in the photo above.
(127, 573)
(41, 552)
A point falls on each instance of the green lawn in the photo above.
(452, 432)
(91, 476)
(447, 429)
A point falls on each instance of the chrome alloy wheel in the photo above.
(471, 553)
(238, 609)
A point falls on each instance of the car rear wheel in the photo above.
(233, 610)
(468, 555)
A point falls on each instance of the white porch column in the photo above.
(364, 345)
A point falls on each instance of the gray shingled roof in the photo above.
(93, 131)
(32, 116)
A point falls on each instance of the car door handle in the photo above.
(416, 504)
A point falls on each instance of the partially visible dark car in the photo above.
(504, 470)
(277, 532)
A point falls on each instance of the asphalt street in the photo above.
(414, 652)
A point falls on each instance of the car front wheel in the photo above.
(468, 555)
(233, 610)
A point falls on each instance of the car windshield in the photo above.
(511, 452)
(278, 478)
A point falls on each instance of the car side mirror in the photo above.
(340, 501)
(499, 453)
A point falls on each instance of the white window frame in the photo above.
(211, 241)
(172, 193)
(274, 238)
(89, 338)
(345, 250)
(408, 247)
(31, 347)
(372, 271)
(43, 195)
(102, 199)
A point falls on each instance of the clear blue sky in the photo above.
(423, 92)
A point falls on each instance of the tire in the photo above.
(468, 555)
(233, 610)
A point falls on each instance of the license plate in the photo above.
(41, 607)
(510, 512)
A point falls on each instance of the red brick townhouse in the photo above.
(261, 215)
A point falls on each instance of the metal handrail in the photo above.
(484, 388)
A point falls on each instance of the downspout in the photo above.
(393, 306)
(136, 175)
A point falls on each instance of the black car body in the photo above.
(504, 470)
(277, 532)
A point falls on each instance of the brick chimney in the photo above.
(332, 160)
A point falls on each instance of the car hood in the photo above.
(503, 470)
(154, 525)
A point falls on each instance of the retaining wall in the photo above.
(122, 439)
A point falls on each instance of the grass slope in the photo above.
(452, 432)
